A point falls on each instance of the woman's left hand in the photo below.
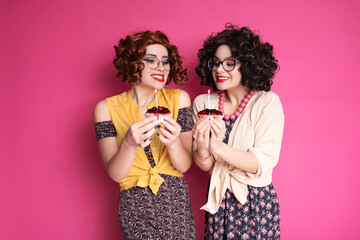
(217, 130)
(170, 132)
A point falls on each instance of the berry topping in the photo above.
(159, 109)
(210, 112)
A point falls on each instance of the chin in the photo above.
(221, 88)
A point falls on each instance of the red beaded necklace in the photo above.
(240, 108)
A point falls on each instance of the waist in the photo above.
(132, 179)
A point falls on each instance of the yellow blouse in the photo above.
(123, 113)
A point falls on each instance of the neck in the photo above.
(228, 105)
(234, 96)
(141, 95)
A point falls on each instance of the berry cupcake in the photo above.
(158, 112)
(210, 112)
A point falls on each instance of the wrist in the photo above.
(203, 160)
(174, 145)
(218, 149)
(202, 153)
(127, 145)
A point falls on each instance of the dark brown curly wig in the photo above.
(131, 51)
(258, 65)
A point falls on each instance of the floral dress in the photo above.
(258, 218)
(166, 215)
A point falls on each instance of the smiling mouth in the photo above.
(158, 77)
(222, 79)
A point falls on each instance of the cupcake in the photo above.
(209, 112)
(158, 112)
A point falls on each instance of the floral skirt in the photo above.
(166, 215)
(259, 218)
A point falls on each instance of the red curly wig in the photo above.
(131, 51)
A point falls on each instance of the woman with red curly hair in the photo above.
(154, 199)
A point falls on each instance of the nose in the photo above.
(220, 69)
(160, 66)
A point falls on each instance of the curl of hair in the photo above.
(132, 49)
(258, 65)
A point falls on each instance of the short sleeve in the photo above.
(185, 119)
(105, 129)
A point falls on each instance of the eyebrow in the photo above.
(224, 58)
(154, 55)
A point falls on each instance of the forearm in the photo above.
(242, 160)
(179, 156)
(203, 158)
(119, 165)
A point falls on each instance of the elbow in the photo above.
(186, 168)
(114, 175)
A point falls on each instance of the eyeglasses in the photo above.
(228, 64)
(154, 62)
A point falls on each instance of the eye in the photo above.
(166, 62)
(216, 63)
(230, 63)
(149, 60)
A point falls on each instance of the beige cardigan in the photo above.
(258, 129)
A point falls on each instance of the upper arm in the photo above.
(184, 99)
(101, 112)
(186, 140)
(268, 133)
(107, 145)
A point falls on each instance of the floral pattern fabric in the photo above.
(166, 215)
(105, 129)
(185, 119)
(258, 218)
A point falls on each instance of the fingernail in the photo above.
(159, 121)
(155, 118)
(158, 134)
(150, 139)
(166, 117)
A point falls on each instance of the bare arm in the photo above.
(201, 149)
(178, 144)
(118, 160)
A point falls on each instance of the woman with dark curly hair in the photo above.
(154, 198)
(241, 149)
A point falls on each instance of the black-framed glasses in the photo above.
(228, 64)
(153, 62)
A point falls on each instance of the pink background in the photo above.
(56, 63)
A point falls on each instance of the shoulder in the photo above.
(101, 112)
(265, 98)
(200, 98)
(200, 102)
(117, 99)
(269, 102)
(172, 93)
(184, 99)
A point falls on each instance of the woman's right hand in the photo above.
(139, 133)
(201, 135)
